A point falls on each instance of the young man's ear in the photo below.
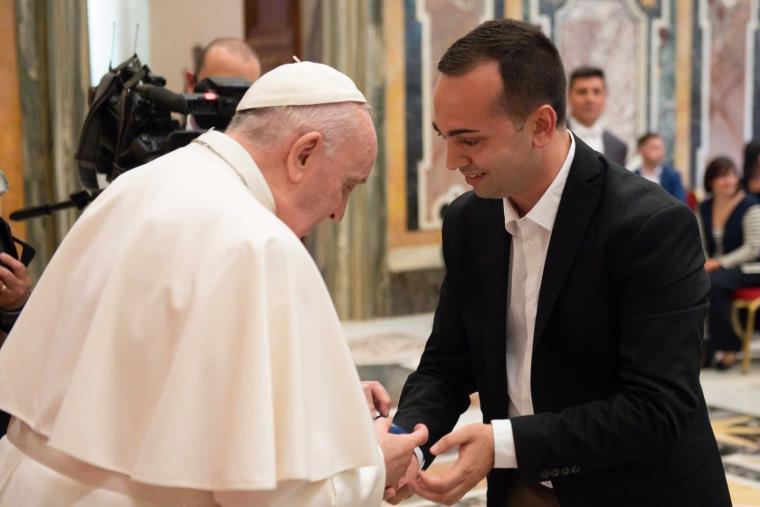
(544, 125)
(301, 155)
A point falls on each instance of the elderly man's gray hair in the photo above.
(270, 126)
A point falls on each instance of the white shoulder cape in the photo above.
(183, 336)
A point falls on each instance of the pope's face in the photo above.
(491, 150)
(338, 173)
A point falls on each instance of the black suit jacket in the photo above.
(620, 418)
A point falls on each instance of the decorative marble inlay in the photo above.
(726, 33)
(727, 78)
(442, 22)
(612, 35)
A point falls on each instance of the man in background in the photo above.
(224, 57)
(587, 97)
(652, 152)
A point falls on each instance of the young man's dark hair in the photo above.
(646, 137)
(718, 167)
(584, 72)
(530, 66)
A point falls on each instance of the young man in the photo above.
(587, 95)
(573, 302)
(652, 151)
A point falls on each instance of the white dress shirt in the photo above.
(655, 177)
(530, 242)
(590, 135)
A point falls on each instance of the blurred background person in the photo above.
(652, 152)
(15, 288)
(223, 57)
(730, 223)
(751, 175)
(586, 97)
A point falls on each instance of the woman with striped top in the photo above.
(730, 221)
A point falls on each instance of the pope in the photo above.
(181, 348)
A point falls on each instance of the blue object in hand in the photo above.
(397, 430)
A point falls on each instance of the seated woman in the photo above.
(730, 221)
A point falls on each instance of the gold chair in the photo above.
(747, 298)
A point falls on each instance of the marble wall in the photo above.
(684, 68)
(725, 44)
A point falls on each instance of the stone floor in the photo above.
(388, 349)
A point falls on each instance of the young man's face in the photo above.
(489, 148)
(587, 97)
(652, 151)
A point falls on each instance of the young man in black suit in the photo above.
(573, 303)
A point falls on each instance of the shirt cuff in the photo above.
(420, 457)
(504, 455)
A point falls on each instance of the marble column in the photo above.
(351, 255)
(54, 79)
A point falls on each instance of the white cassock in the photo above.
(181, 349)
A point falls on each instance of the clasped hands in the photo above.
(403, 477)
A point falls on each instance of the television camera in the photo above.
(130, 122)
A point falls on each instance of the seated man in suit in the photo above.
(652, 151)
(577, 320)
(587, 95)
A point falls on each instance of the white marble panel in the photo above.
(610, 34)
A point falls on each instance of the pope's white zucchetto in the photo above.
(300, 84)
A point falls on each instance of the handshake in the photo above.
(403, 476)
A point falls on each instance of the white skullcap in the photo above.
(300, 84)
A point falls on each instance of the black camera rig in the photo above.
(130, 123)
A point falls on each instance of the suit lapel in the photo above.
(493, 262)
(576, 209)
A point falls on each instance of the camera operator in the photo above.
(223, 57)
(14, 291)
(15, 287)
(15, 282)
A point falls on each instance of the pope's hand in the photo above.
(405, 487)
(378, 399)
(475, 443)
(398, 451)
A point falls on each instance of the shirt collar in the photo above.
(232, 153)
(595, 130)
(545, 210)
(657, 171)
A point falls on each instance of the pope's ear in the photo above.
(301, 154)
